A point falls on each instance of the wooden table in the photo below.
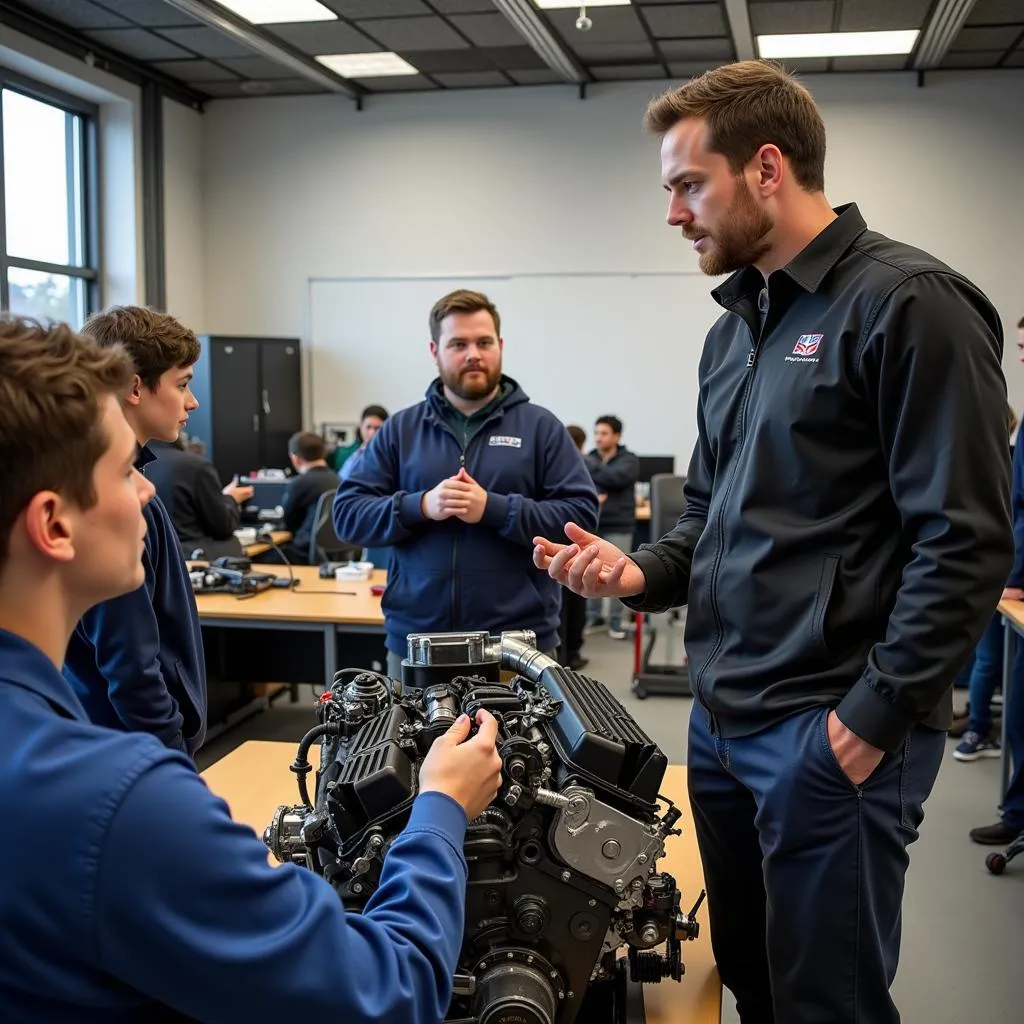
(323, 606)
(1013, 628)
(261, 547)
(643, 511)
(254, 780)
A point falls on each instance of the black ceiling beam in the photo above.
(67, 40)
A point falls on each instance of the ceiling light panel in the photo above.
(367, 65)
(279, 12)
(836, 44)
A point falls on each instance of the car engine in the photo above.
(563, 875)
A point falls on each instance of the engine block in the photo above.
(563, 864)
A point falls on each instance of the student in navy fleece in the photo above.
(136, 662)
(459, 485)
(147, 901)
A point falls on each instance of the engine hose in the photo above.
(523, 658)
(301, 765)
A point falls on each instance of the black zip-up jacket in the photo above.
(617, 479)
(847, 531)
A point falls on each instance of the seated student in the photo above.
(369, 423)
(205, 515)
(307, 453)
(147, 901)
(136, 662)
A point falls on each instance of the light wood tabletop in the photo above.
(314, 600)
(1013, 610)
(261, 547)
(254, 780)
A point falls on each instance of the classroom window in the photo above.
(50, 257)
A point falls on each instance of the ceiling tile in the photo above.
(518, 57)
(996, 12)
(257, 67)
(973, 59)
(473, 80)
(536, 76)
(689, 68)
(1015, 60)
(488, 29)
(696, 49)
(627, 72)
(611, 25)
(779, 16)
(879, 62)
(882, 15)
(77, 13)
(137, 42)
(462, 6)
(614, 53)
(411, 34)
(808, 65)
(453, 60)
(206, 41)
(324, 37)
(254, 90)
(397, 83)
(683, 20)
(986, 38)
(376, 8)
(195, 71)
(150, 13)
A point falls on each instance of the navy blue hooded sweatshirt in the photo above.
(136, 662)
(452, 575)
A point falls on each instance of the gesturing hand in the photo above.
(589, 566)
(469, 771)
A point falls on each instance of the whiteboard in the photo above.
(582, 345)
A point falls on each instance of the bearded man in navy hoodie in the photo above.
(459, 484)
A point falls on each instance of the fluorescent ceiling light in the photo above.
(554, 5)
(367, 65)
(279, 12)
(837, 44)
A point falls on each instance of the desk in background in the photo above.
(1013, 630)
(261, 547)
(254, 780)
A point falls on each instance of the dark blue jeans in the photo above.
(1012, 810)
(986, 676)
(804, 870)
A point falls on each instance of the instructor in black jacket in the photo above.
(846, 537)
(205, 515)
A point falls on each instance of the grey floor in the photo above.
(963, 938)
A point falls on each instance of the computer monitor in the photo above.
(267, 498)
(650, 465)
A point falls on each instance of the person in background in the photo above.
(136, 662)
(574, 607)
(147, 901)
(345, 460)
(314, 478)
(846, 536)
(205, 515)
(458, 485)
(1011, 812)
(615, 471)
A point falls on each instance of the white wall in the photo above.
(119, 154)
(183, 214)
(509, 181)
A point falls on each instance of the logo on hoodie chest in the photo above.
(504, 441)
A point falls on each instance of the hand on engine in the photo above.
(467, 770)
(589, 566)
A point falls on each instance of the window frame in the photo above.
(89, 272)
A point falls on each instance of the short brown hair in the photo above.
(52, 382)
(747, 105)
(307, 446)
(155, 341)
(578, 435)
(462, 300)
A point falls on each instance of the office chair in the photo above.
(324, 544)
(668, 503)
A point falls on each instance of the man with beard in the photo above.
(846, 537)
(459, 485)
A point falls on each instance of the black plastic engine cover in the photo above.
(378, 775)
(598, 735)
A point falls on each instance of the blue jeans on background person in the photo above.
(805, 870)
(986, 676)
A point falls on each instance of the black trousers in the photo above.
(804, 870)
(574, 620)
